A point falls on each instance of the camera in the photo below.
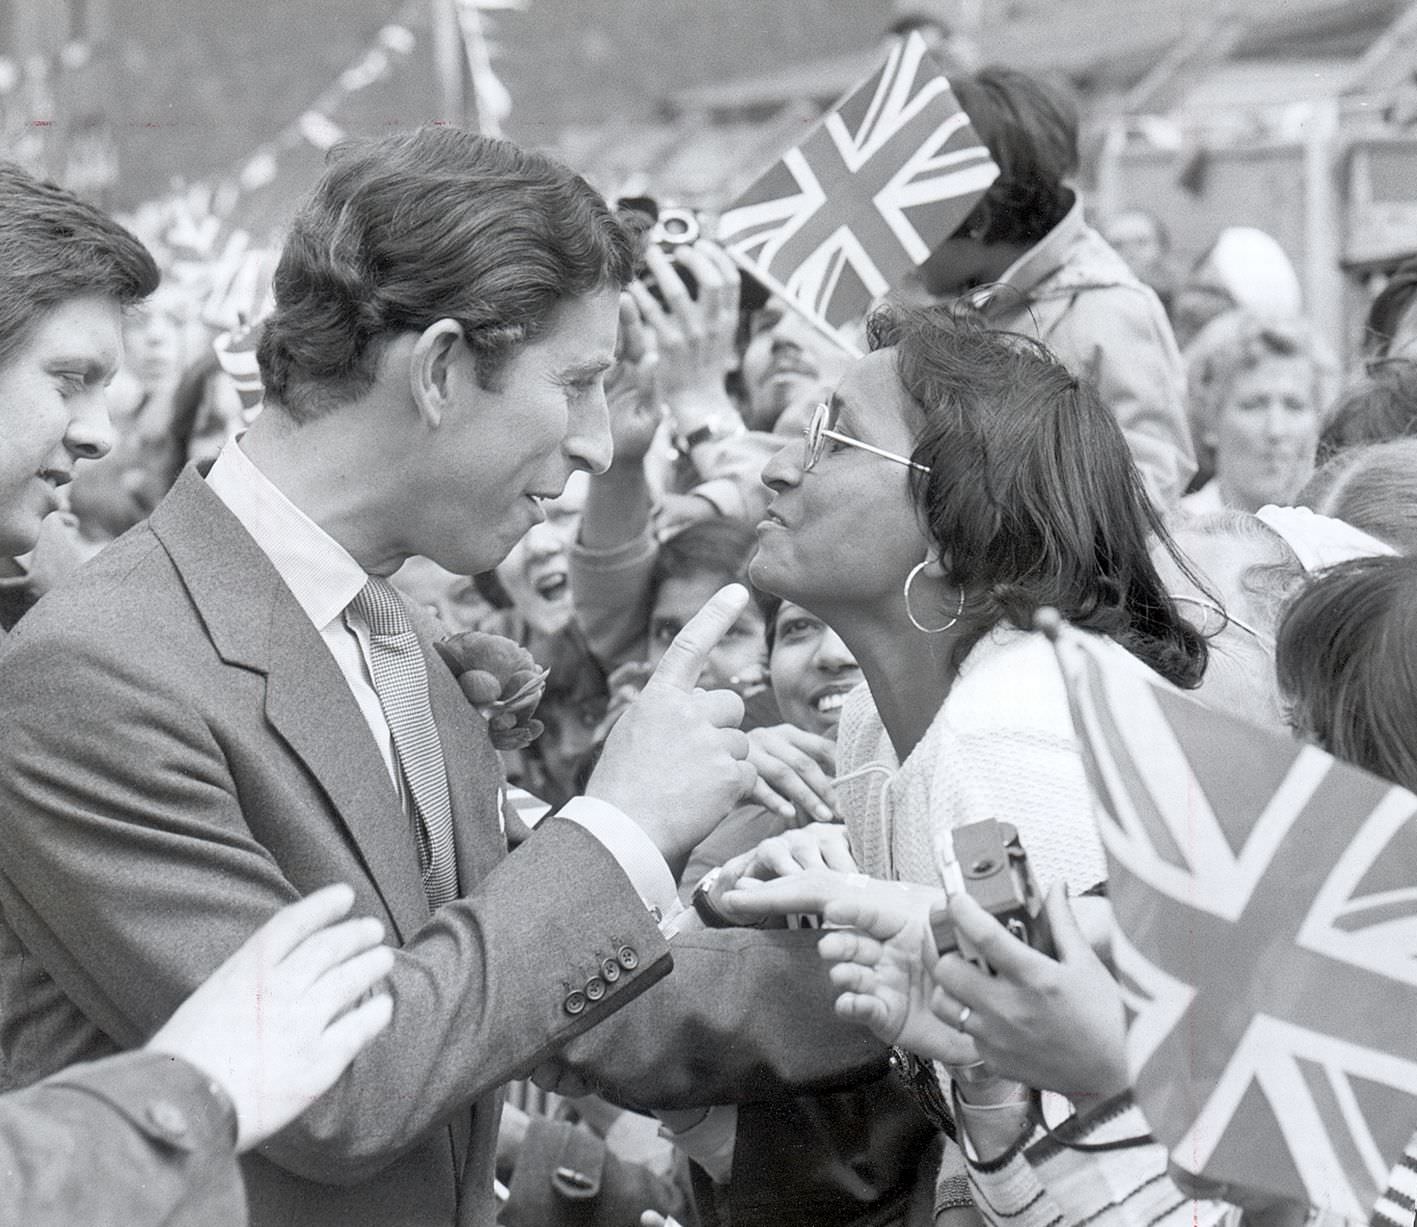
(991, 866)
(665, 227)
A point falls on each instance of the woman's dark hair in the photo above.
(55, 248)
(720, 547)
(1346, 661)
(1380, 406)
(187, 399)
(1031, 129)
(768, 605)
(431, 224)
(1032, 497)
(1388, 308)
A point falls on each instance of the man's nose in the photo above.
(90, 432)
(588, 439)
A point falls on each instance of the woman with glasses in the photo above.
(958, 480)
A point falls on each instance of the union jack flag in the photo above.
(882, 179)
(1266, 904)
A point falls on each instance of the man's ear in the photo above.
(432, 369)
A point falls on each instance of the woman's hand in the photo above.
(883, 961)
(1056, 1024)
(794, 771)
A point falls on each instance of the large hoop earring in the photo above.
(909, 613)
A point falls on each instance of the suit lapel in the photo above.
(254, 622)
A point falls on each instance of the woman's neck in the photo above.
(909, 674)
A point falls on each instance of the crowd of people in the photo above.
(564, 584)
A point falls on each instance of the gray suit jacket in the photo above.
(181, 757)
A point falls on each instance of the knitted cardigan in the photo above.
(1002, 746)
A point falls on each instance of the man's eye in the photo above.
(798, 628)
(71, 383)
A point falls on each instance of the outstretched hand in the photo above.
(276, 1024)
(1056, 1024)
(883, 959)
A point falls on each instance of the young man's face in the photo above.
(54, 411)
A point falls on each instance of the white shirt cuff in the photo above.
(632, 849)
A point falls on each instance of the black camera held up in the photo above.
(663, 226)
(989, 864)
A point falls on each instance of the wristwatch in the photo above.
(719, 426)
(704, 905)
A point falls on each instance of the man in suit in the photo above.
(228, 707)
(149, 1137)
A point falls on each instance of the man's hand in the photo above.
(676, 761)
(795, 770)
(1056, 1024)
(277, 1024)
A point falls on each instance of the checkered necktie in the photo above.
(401, 681)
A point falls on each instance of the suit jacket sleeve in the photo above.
(746, 1016)
(129, 870)
(133, 1140)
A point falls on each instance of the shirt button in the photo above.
(610, 971)
(167, 1118)
(575, 1003)
(595, 988)
(629, 960)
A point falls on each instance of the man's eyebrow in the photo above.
(588, 369)
(87, 363)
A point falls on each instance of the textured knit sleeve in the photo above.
(1040, 1182)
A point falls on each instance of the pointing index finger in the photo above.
(685, 659)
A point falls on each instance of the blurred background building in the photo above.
(1299, 116)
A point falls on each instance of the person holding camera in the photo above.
(959, 479)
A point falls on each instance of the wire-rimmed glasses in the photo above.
(818, 432)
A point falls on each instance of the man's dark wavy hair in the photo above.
(425, 225)
(1032, 497)
(54, 248)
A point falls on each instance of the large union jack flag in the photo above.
(1266, 904)
(887, 174)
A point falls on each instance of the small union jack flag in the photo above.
(1266, 904)
(884, 178)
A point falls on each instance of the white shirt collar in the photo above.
(319, 572)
